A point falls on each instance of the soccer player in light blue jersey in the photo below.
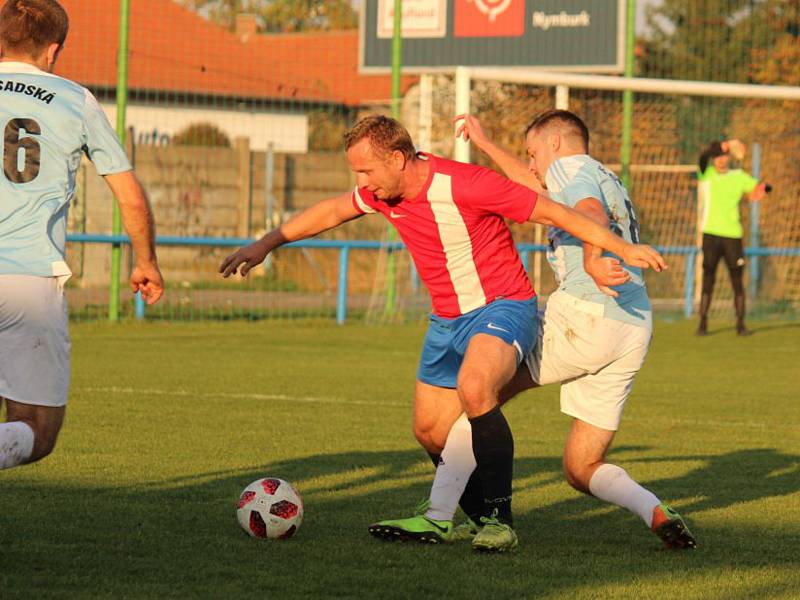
(593, 339)
(47, 124)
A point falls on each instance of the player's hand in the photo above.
(248, 257)
(642, 255)
(758, 193)
(147, 279)
(736, 149)
(469, 128)
(606, 271)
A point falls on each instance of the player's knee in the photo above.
(427, 438)
(475, 394)
(428, 443)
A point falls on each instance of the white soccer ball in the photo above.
(270, 508)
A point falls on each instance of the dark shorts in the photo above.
(716, 247)
(513, 321)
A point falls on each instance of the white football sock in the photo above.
(613, 484)
(453, 472)
(16, 443)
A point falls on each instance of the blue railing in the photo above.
(345, 246)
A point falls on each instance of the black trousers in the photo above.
(731, 250)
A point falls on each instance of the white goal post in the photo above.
(563, 81)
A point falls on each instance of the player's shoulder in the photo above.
(568, 170)
(364, 200)
(451, 167)
(28, 79)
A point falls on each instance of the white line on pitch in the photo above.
(281, 397)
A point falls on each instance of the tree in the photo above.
(220, 11)
(201, 134)
(279, 16)
(714, 40)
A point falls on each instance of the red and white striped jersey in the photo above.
(456, 234)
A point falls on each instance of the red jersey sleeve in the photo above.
(494, 193)
(363, 200)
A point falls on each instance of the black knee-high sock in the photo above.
(471, 501)
(493, 446)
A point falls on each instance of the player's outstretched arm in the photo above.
(320, 217)
(137, 217)
(469, 129)
(548, 212)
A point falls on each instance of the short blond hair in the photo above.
(385, 135)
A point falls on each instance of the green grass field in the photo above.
(168, 422)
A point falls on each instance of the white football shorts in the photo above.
(34, 341)
(595, 359)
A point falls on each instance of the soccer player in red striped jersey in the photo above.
(451, 217)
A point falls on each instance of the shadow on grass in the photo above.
(179, 537)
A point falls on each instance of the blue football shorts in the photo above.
(513, 321)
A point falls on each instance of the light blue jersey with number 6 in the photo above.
(569, 180)
(47, 123)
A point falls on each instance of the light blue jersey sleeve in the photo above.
(102, 145)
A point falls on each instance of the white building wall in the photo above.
(288, 132)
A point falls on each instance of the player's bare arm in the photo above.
(605, 270)
(137, 217)
(320, 217)
(469, 129)
(758, 193)
(548, 212)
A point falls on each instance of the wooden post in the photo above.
(242, 145)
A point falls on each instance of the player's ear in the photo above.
(53, 51)
(554, 140)
(399, 159)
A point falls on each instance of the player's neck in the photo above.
(417, 174)
(40, 64)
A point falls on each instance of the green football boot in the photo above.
(465, 531)
(418, 528)
(670, 527)
(494, 536)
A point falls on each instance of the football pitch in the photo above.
(167, 423)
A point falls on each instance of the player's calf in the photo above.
(30, 432)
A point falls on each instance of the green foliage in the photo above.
(717, 40)
(201, 134)
(220, 11)
(167, 423)
(281, 16)
(326, 131)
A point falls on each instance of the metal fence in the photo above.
(264, 296)
(235, 121)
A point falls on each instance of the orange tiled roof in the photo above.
(176, 51)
